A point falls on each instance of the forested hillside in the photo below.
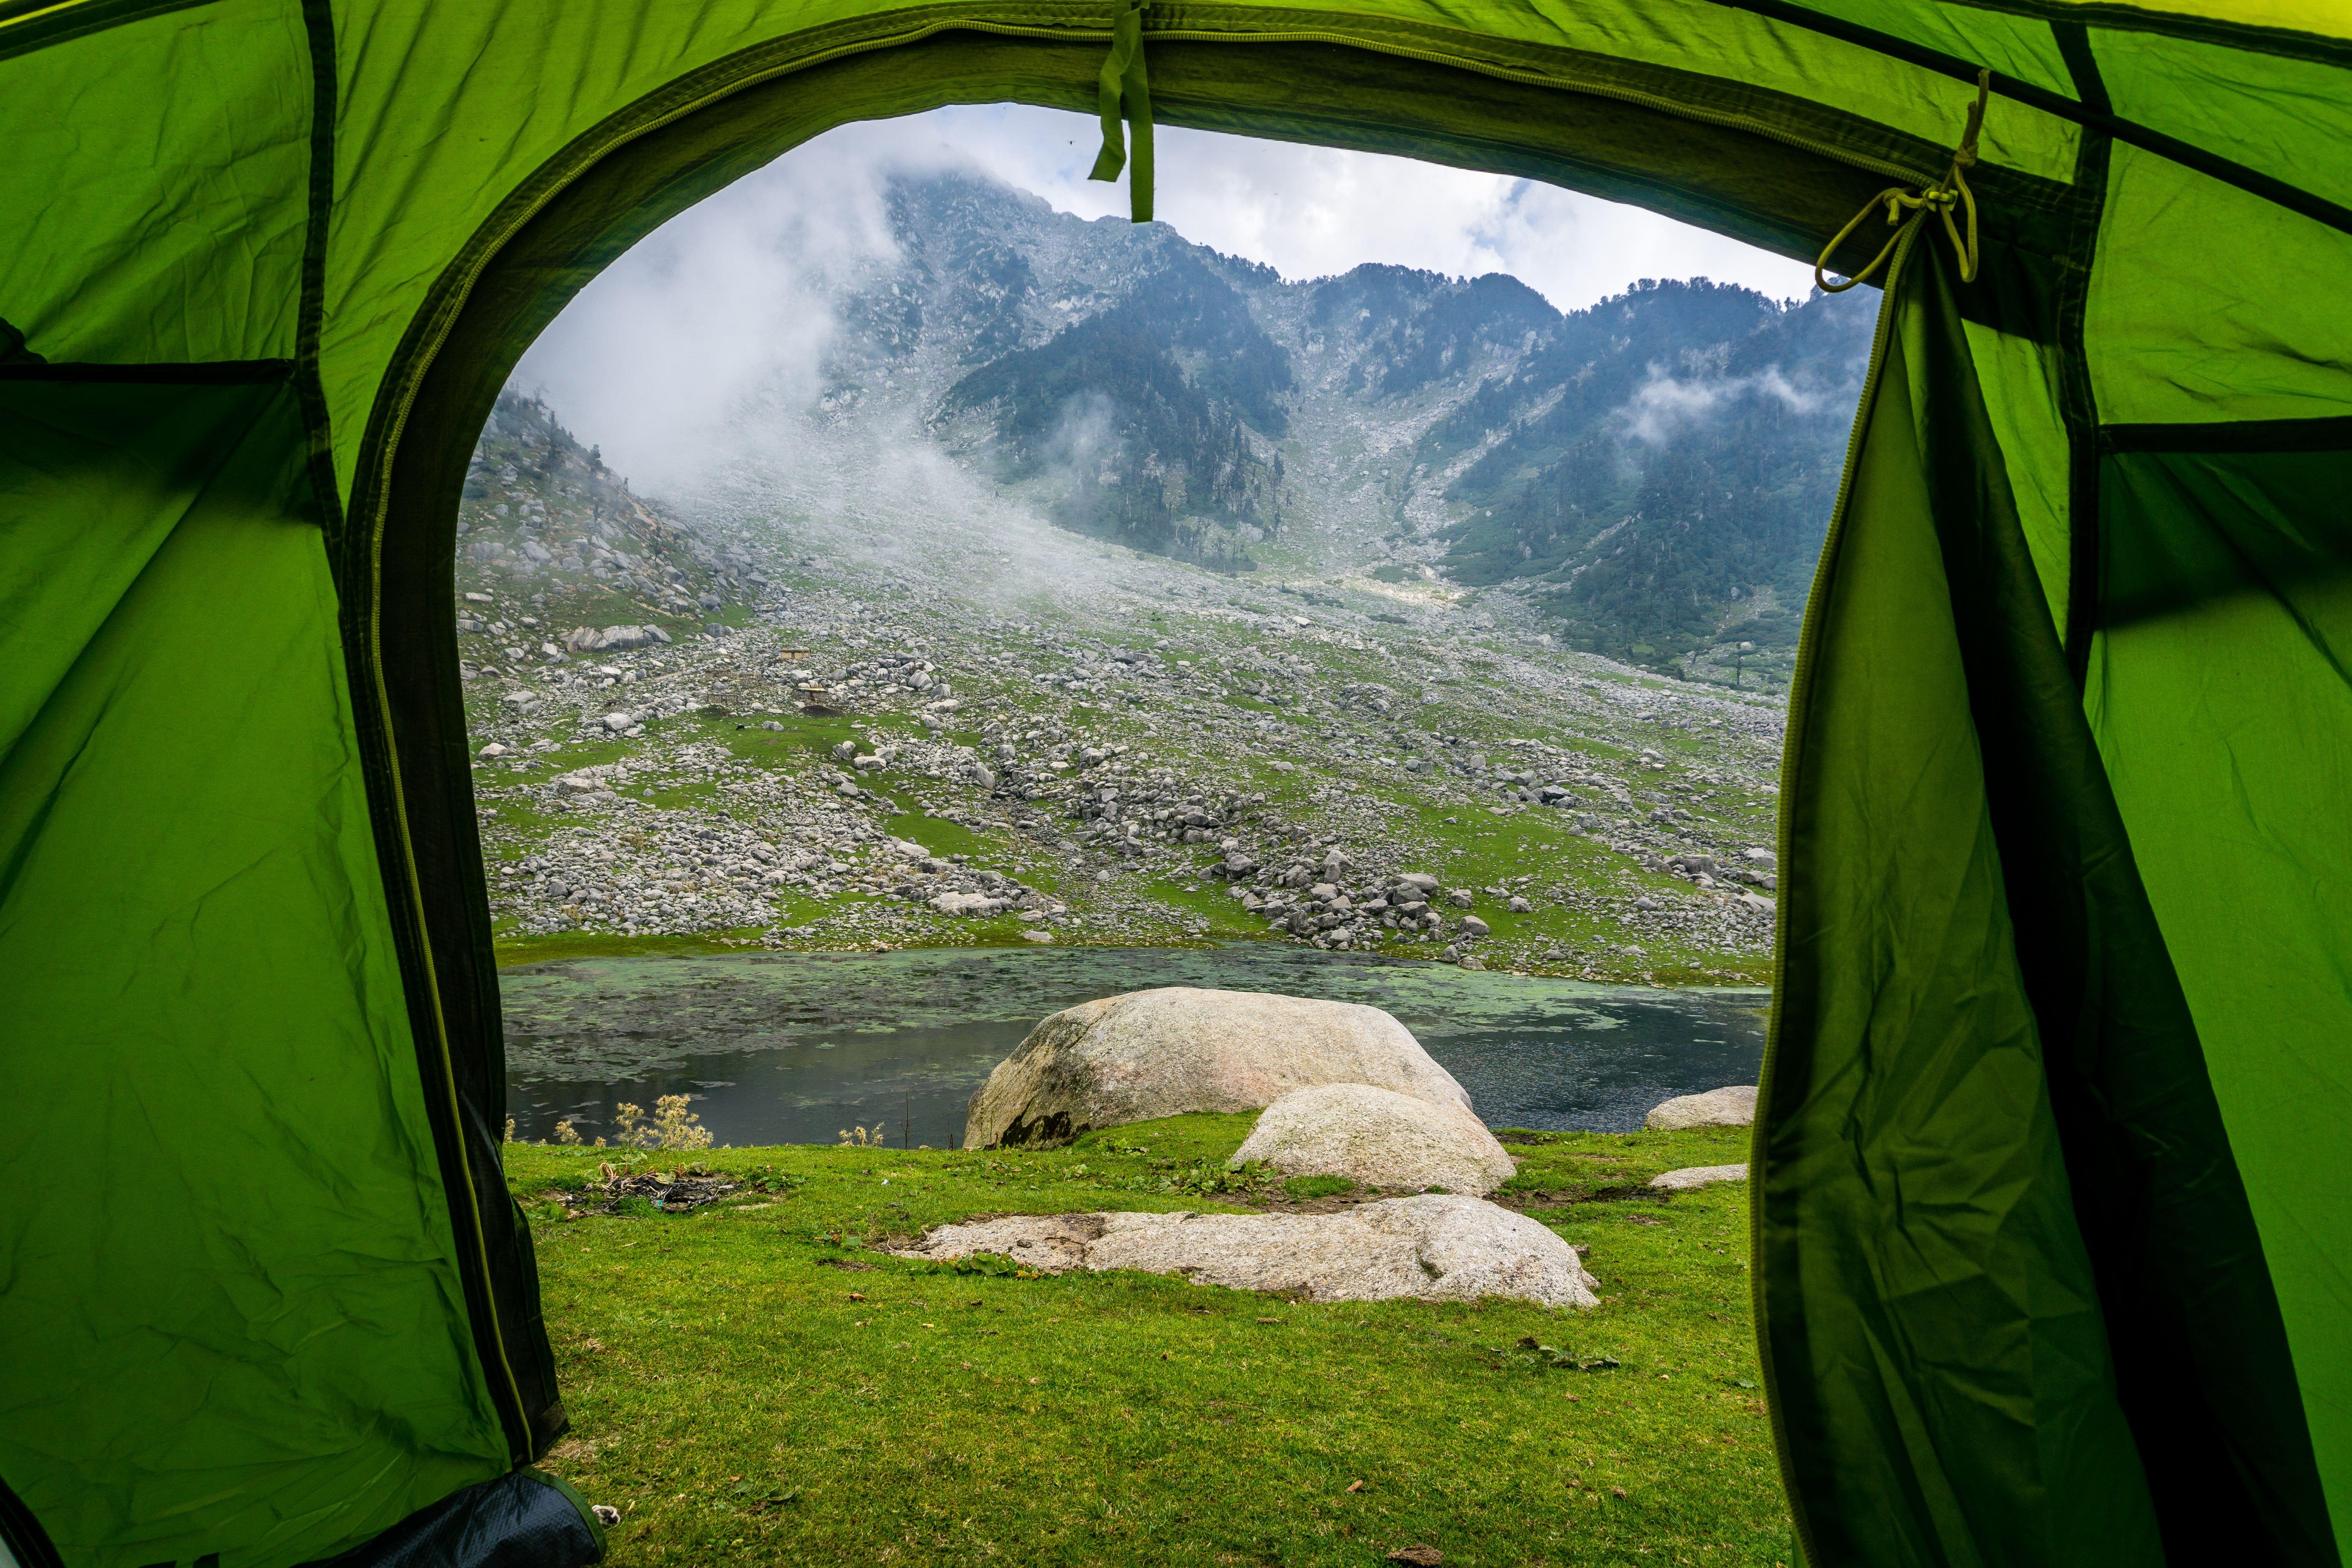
(1148, 452)
(1664, 467)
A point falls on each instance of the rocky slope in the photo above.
(1107, 589)
(1655, 472)
(773, 731)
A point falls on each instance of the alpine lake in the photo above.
(797, 1047)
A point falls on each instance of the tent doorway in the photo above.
(2058, 983)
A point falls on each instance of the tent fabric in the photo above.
(1964, 774)
(2049, 1199)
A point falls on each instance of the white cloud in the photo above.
(1310, 212)
(1664, 404)
(720, 314)
(720, 308)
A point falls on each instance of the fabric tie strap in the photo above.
(1122, 78)
(1940, 197)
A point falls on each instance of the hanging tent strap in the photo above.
(1940, 197)
(1122, 78)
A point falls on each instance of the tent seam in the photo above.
(61, 22)
(2212, 165)
(2078, 399)
(2288, 43)
(160, 372)
(317, 18)
(2325, 433)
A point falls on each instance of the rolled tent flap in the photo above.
(230, 1239)
(2052, 1188)
(2013, 1303)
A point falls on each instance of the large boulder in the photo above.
(1377, 1138)
(1433, 1247)
(1179, 1049)
(1732, 1106)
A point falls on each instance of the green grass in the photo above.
(1225, 916)
(754, 1383)
(514, 947)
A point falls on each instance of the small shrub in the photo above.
(564, 1132)
(768, 1179)
(856, 1137)
(1212, 1177)
(1532, 1352)
(760, 1496)
(671, 1126)
(990, 1265)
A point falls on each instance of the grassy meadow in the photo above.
(759, 1381)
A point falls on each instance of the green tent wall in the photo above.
(2051, 1197)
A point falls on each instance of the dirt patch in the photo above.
(1631, 1192)
(673, 1194)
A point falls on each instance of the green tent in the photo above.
(2053, 1251)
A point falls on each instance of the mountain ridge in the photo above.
(1655, 470)
(1652, 474)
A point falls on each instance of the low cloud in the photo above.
(1666, 404)
(701, 359)
(718, 315)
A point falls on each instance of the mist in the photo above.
(715, 324)
(710, 367)
(1666, 404)
(706, 343)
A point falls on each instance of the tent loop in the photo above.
(1123, 76)
(1940, 196)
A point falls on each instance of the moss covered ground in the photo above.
(757, 1382)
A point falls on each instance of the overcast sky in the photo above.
(1310, 212)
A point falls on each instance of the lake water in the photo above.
(791, 1048)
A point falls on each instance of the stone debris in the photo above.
(613, 639)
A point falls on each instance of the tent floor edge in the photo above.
(524, 1519)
